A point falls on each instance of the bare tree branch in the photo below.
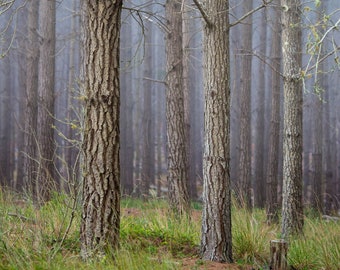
(264, 4)
(204, 14)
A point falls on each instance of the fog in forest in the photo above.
(256, 69)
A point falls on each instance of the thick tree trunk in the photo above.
(272, 206)
(101, 189)
(45, 133)
(216, 242)
(177, 156)
(292, 207)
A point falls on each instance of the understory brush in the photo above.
(151, 237)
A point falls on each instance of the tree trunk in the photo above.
(189, 98)
(126, 120)
(245, 121)
(31, 113)
(278, 255)
(148, 149)
(272, 206)
(5, 131)
(216, 241)
(101, 189)
(259, 179)
(292, 207)
(177, 156)
(317, 134)
(21, 96)
(45, 132)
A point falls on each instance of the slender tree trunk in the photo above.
(175, 112)
(45, 133)
(292, 207)
(245, 121)
(317, 135)
(316, 176)
(101, 189)
(188, 100)
(126, 120)
(5, 132)
(272, 206)
(31, 112)
(148, 155)
(216, 241)
(259, 179)
(21, 94)
(72, 150)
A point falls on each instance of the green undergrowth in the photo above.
(151, 237)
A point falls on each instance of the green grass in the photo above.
(151, 238)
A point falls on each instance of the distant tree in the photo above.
(177, 143)
(126, 110)
(101, 188)
(272, 205)
(148, 149)
(259, 125)
(20, 58)
(292, 207)
(6, 141)
(31, 97)
(189, 99)
(45, 131)
(216, 240)
(72, 149)
(244, 189)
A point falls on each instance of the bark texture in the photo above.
(292, 207)
(216, 242)
(45, 131)
(177, 157)
(101, 188)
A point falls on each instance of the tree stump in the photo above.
(278, 254)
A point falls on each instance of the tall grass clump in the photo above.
(251, 236)
(319, 248)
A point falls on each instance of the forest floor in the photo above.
(193, 262)
(151, 239)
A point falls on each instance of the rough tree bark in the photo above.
(101, 188)
(216, 240)
(292, 207)
(177, 156)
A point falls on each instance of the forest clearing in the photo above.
(150, 238)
